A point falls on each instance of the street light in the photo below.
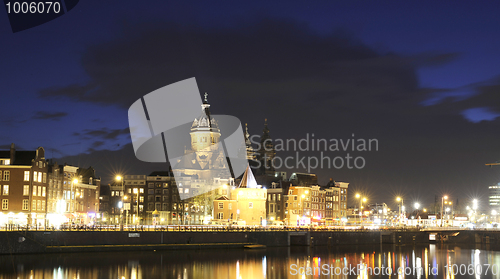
(120, 178)
(361, 200)
(442, 207)
(474, 206)
(401, 208)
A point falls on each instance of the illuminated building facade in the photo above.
(23, 181)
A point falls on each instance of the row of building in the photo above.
(36, 192)
(198, 189)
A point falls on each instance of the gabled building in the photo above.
(23, 181)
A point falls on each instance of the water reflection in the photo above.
(359, 262)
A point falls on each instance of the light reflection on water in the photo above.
(361, 262)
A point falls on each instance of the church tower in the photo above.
(249, 149)
(205, 137)
(266, 151)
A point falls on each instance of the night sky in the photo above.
(421, 77)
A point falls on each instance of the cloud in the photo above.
(109, 163)
(103, 133)
(273, 58)
(480, 114)
(45, 115)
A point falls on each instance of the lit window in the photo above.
(39, 191)
(34, 191)
(33, 205)
(40, 177)
(44, 177)
(26, 190)
(27, 176)
(43, 191)
(39, 205)
(26, 204)
(250, 205)
(141, 190)
(220, 215)
(43, 205)
(35, 176)
(5, 204)
(5, 191)
(221, 205)
(6, 175)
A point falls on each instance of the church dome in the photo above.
(205, 122)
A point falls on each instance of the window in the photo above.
(33, 205)
(141, 190)
(27, 176)
(1, 175)
(279, 197)
(141, 208)
(34, 191)
(26, 190)
(129, 190)
(220, 215)
(165, 206)
(40, 177)
(38, 205)
(230, 206)
(44, 177)
(165, 185)
(6, 175)
(165, 192)
(221, 205)
(5, 204)
(151, 185)
(43, 205)
(150, 191)
(5, 191)
(112, 193)
(26, 204)
(35, 175)
(250, 205)
(141, 199)
(43, 191)
(39, 191)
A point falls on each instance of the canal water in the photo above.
(430, 261)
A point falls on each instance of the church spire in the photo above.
(266, 151)
(249, 149)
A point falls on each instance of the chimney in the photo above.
(12, 153)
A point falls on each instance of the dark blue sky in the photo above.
(420, 76)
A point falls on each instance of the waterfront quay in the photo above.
(211, 237)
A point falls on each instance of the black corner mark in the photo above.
(25, 14)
